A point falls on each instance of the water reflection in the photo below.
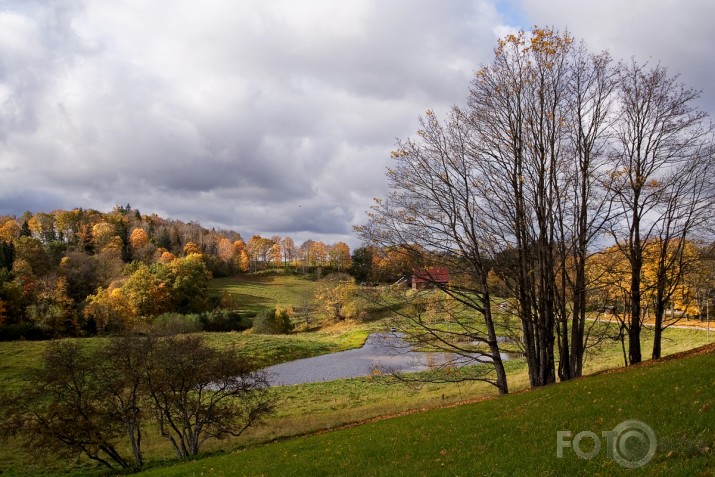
(384, 351)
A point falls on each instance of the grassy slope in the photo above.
(514, 435)
(256, 294)
(303, 408)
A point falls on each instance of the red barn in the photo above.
(429, 277)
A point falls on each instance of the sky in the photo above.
(269, 117)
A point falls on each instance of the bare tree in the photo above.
(434, 214)
(556, 149)
(200, 393)
(659, 134)
(117, 369)
(519, 115)
(685, 205)
(64, 410)
(586, 210)
(85, 400)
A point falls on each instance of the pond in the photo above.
(384, 351)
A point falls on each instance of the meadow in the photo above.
(512, 435)
(307, 409)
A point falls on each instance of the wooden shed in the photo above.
(429, 277)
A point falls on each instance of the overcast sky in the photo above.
(272, 117)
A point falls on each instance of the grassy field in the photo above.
(256, 294)
(302, 409)
(513, 435)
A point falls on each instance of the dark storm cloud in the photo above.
(265, 117)
(271, 117)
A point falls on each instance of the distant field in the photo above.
(256, 294)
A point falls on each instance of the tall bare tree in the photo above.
(660, 132)
(434, 213)
(586, 209)
(518, 109)
(685, 206)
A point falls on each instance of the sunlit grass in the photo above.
(307, 408)
(256, 294)
(513, 435)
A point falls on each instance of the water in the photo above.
(386, 352)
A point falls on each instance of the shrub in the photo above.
(176, 323)
(222, 319)
(273, 322)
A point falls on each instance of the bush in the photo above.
(273, 322)
(176, 323)
(223, 319)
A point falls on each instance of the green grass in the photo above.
(307, 408)
(256, 294)
(513, 435)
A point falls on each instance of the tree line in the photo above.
(559, 155)
(82, 272)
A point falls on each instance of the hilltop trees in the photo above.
(83, 271)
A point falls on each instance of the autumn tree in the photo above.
(225, 250)
(138, 238)
(188, 279)
(9, 230)
(304, 254)
(109, 310)
(318, 254)
(339, 256)
(244, 262)
(288, 247)
(52, 310)
(276, 254)
(333, 295)
(258, 249)
(191, 247)
(147, 292)
(33, 252)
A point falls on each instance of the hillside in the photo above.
(513, 435)
(83, 272)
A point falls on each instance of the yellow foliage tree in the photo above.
(103, 233)
(139, 238)
(339, 255)
(244, 262)
(166, 257)
(9, 230)
(190, 248)
(333, 296)
(225, 250)
(110, 309)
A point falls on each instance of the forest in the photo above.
(83, 272)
